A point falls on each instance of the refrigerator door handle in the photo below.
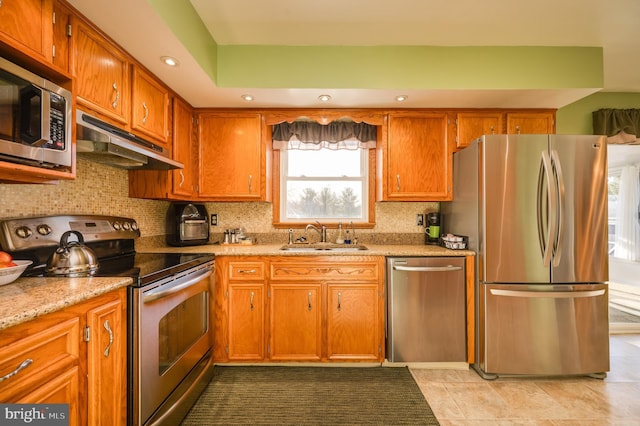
(559, 182)
(548, 294)
(546, 241)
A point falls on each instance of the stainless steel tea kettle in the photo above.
(72, 258)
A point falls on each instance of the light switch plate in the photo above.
(419, 219)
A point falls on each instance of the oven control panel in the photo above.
(33, 232)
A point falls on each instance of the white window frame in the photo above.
(363, 179)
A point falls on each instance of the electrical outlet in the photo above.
(420, 219)
(214, 219)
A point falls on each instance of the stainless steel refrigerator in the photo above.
(535, 210)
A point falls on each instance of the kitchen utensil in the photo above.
(72, 258)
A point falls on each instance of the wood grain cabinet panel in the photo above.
(61, 36)
(417, 163)
(150, 107)
(471, 125)
(531, 122)
(103, 81)
(26, 26)
(246, 322)
(75, 356)
(232, 155)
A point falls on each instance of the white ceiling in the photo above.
(612, 24)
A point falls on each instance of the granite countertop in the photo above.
(28, 298)
(274, 250)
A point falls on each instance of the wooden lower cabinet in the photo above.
(69, 357)
(295, 330)
(299, 308)
(353, 322)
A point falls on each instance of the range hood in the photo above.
(104, 143)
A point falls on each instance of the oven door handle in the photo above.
(177, 286)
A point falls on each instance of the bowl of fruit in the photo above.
(11, 269)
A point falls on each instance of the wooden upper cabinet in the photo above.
(26, 26)
(531, 122)
(61, 50)
(417, 163)
(185, 150)
(471, 125)
(150, 106)
(232, 157)
(102, 74)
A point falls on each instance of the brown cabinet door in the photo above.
(61, 35)
(26, 25)
(353, 322)
(295, 322)
(184, 150)
(531, 123)
(471, 125)
(418, 160)
(106, 364)
(150, 105)
(102, 74)
(246, 322)
(231, 155)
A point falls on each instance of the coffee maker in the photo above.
(432, 229)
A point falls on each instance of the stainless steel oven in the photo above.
(169, 305)
(171, 345)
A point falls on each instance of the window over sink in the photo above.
(325, 185)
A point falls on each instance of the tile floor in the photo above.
(461, 397)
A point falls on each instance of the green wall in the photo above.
(576, 118)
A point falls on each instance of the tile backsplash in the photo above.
(100, 189)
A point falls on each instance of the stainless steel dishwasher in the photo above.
(426, 320)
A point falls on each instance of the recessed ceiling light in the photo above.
(324, 98)
(168, 60)
(402, 98)
(247, 98)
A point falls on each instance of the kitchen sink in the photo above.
(323, 247)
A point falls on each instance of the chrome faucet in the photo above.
(322, 231)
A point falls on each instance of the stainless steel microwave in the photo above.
(35, 119)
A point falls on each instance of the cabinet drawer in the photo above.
(356, 271)
(44, 354)
(241, 271)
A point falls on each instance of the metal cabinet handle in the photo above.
(518, 129)
(146, 113)
(251, 300)
(246, 271)
(24, 364)
(250, 183)
(493, 131)
(339, 297)
(309, 301)
(114, 104)
(398, 182)
(108, 348)
(181, 179)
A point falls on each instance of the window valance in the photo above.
(622, 126)
(334, 135)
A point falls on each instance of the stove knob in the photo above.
(44, 229)
(126, 226)
(23, 232)
(117, 226)
(134, 225)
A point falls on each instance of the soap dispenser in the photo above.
(339, 239)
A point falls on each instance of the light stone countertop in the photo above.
(274, 250)
(29, 298)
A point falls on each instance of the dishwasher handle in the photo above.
(427, 268)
